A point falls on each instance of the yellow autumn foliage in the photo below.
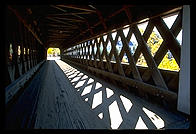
(154, 42)
(53, 51)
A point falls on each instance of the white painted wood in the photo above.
(184, 81)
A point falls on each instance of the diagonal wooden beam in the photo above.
(157, 77)
(106, 55)
(25, 23)
(132, 62)
(113, 51)
(101, 19)
(69, 19)
(167, 35)
(175, 29)
(98, 53)
(83, 8)
(60, 21)
(58, 8)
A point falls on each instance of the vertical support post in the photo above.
(36, 52)
(61, 53)
(30, 49)
(33, 51)
(184, 79)
(22, 47)
(7, 76)
(15, 57)
(26, 49)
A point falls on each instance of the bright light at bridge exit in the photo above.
(53, 54)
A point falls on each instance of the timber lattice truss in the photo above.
(87, 54)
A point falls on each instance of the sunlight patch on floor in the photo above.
(126, 102)
(157, 121)
(140, 124)
(98, 85)
(86, 99)
(86, 90)
(80, 74)
(80, 83)
(115, 116)
(97, 99)
(72, 76)
(90, 81)
(84, 77)
(100, 115)
(109, 92)
(75, 79)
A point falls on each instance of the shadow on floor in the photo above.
(117, 108)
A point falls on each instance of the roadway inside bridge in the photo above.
(73, 99)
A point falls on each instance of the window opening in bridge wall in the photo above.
(10, 53)
(114, 35)
(169, 62)
(95, 48)
(24, 50)
(125, 31)
(104, 38)
(113, 59)
(53, 54)
(109, 47)
(125, 58)
(154, 41)
(119, 45)
(142, 27)
(133, 44)
(170, 19)
(28, 51)
(19, 51)
(179, 37)
(90, 50)
(101, 48)
(141, 61)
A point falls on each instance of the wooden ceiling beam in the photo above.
(83, 8)
(25, 23)
(58, 8)
(61, 26)
(69, 13)
(101, 19)
(59, 21)
(57, 30)
(69, 19)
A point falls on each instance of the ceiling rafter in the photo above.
(60, 26)
(70, 19)
(60, 21)
(84, 8)
(66, 12)
(58, 8)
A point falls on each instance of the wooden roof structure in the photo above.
(64, 26)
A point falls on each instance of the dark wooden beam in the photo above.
(83, 8)
(63, 22)
(101, 19)
(25, 23)
(67, 19)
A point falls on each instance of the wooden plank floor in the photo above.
(72, 99)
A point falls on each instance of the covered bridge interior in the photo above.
(100, 81)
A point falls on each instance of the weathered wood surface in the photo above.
(68, 101)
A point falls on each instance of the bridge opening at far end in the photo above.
(53, 54)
